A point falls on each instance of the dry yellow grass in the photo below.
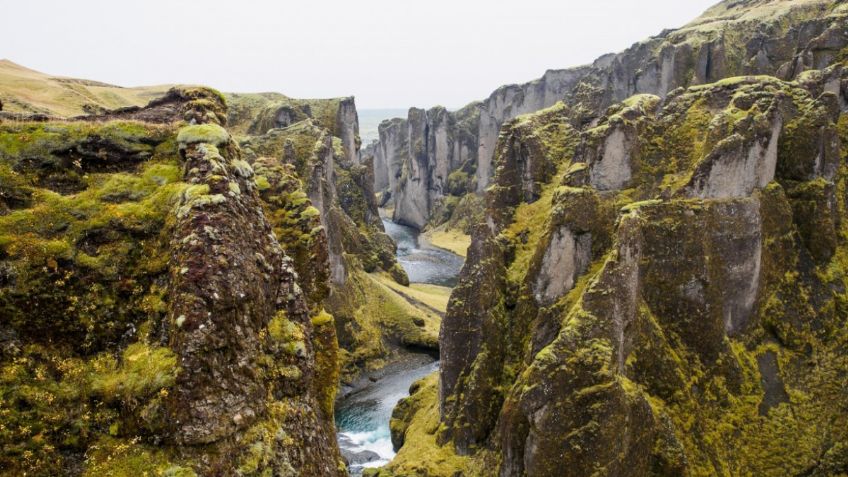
(24, 90)
(451, 240)
(433, 296)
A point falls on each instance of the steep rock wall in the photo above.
(415, 158)
(372, 321)
(186, 344)
(781, 38)
(705, 293)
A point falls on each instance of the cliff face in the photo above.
(320, 143)
(415, 157)
(187, 343)
(659, 285)
(512, 101)
(779, 38)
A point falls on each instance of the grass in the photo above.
(24, 90)
(200, 133)
(383, 318)
(451, 240)
(420, 454)
(395, 311)
(144, 370)
(433, 296)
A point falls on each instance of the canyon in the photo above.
(649, 277)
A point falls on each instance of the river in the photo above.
(362, 417)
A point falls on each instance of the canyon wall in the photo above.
(728, 40)
(658, 286)
(319, 140)
(161, 302)
(415, 158)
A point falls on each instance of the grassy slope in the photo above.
(452, 240)
(25, 90)
(433, 296)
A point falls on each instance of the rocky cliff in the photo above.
(658, 287)
(423, 163)
(153, 322)
(318, 140)
(778, 38)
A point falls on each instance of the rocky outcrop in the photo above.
(660, 259)
(422, 162)
(781, 38)
(186, 343)
(663, 278)
(180, 103)
(373, 322)
(509, 102)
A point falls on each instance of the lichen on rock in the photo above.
(150, 235)
(662, 291)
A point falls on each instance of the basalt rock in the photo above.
(665, 308)
(415, 159)
(780, 38)
(152, 322)
(338, 182)
(180, 103)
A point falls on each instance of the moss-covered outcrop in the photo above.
(151, 321)
(423, 164)
(373, 321)
(659, 292)
(414, 427)
(782, 38)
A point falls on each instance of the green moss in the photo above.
(420, 453)
(459, 182)
(282, 329)
(129, 458)
(262, 183)
(374, 314)
(203, 133)
(143, 370)
(25, 140)
(90, 238)
(62, 246)
(262, 441)
(326, 348)
(530, 221)
(53, 402)
(322, 318)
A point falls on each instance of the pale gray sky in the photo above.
(388, 53)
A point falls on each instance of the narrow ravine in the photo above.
(362, 417)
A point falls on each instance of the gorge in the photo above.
(636, 267)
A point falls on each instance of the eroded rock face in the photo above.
(565, 259)
(736, 167)
(341, 190)
(204, 348)
(690, 296)
(609, 148)
(417, 159)
(780, 38)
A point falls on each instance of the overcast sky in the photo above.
(387, 53)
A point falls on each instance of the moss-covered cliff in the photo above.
(152, 323)
(781, 38)
(373, 321)
(658, 287)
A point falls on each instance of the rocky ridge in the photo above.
(780, 38)
(188, 344)
(319, 141)
(661, 275)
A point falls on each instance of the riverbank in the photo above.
(451, 240)
(364, 406)
(362, 417)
